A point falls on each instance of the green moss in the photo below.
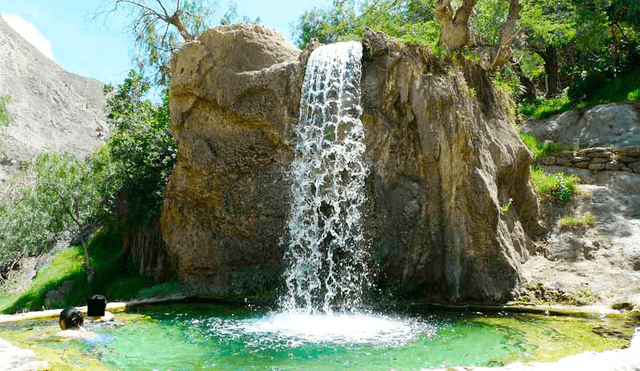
(538, 294)
(548, 339)
(67, 265)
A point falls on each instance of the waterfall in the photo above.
(325, 261)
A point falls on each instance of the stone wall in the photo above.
(597, 159)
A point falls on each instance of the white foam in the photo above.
(298, 328)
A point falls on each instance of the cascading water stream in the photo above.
(326, 262)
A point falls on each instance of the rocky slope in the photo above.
(444, 152)
(52, 110)
(599, 261)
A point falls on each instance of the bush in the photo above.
(5, 118)
(142, 149)
(540, 150)
(559, 187)
(540, 108)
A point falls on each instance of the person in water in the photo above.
(71, 319)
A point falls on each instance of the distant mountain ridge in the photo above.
(52, 109)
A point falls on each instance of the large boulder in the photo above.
(450, 206)
(234, 99)
(605, 125)
(446, 162)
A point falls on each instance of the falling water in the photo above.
(326, 262)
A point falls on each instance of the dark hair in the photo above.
(70, 318)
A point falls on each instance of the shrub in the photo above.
(560, 187)
(540, 108)
(5, 118)
(540, 150)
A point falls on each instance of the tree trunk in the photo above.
(551, 68)
(454, 31)
(529, 87)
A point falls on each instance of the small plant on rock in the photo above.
(560, 187)
(576, 221)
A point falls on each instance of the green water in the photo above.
(224, 338)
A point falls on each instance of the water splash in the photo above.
(295, 329)
(325, 260)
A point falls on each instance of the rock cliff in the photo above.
(52, 109)
(234, 99)
(450, 204)
(446, 163)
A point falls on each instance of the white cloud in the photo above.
(30, 33)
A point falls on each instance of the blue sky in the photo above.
(100, 49)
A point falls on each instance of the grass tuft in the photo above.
(576, 221)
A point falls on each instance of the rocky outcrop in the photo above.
(446, 162)
(14, 358)
(600, 126)
(450, 203)
(52, 109)
(234, 99)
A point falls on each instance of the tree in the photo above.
(141, 147)
(70, 193)
(161, 27)
(455, 32)
(412, 21)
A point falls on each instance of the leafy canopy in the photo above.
(141, 147)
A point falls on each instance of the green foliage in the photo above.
(540, 150)
(160, 28)
(411, 21)
(559, 187)
(67, 265)
(576, 221)
(68, 190)
(116, 275)
(5, 117)
(70, 193)
(67, 193)
(506, 207)
(141, 148)
(599, 87)
(542, 108)
(507, 80)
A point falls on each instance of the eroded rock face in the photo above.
(445, 160)
(234, 98)
(52, 110)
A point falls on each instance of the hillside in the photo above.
(52, 109)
